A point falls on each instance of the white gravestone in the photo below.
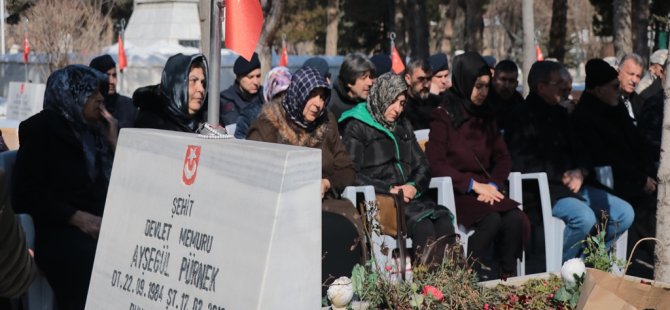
(25, 100)
(194, 223)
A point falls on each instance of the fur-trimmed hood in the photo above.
(287, 131)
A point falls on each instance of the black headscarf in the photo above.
(303, 82)
(67, 91)
(174, 88)
(466, 69)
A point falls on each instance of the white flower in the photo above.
(572, 267)
(340, 293)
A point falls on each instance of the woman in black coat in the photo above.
(386, 155)
(177, 103)
(61, 177)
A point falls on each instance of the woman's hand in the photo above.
(487, 193)
(87, 222)
(573, 179)
(325, 187)
(408, 191)
(111, 126)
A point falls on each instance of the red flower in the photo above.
(389, 268)
(436, 294)
(513, 298)
(486, 306)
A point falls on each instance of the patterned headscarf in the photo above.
(303, 82)
(67, 91)
(382, 93)
(276, 82)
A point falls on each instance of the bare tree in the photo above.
(474, 24)
(333, 12)
(559, 18)
(641, 13)
(204, 12)
(274, 10)
(662, 268)
(622, 27)
(67, 31)
(528, 40)
(418, 28)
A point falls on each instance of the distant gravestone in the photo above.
(25, 100)
(194, 223)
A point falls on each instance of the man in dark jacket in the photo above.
(630, 73)
(419, 103)
(121, 107)
(539, 141)
(353, 83)
(649, 103)
(607, 137)
(245, 91)
(504, 98)
(440, 81)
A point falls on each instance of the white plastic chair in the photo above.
(553, 226)
(445, 197)
(377, 241)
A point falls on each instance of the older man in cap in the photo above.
(605, 136)
(121, 107)
(245, 91)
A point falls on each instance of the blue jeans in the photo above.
(580, 217)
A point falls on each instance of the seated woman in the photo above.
(300, 118)
(465, 145)
(177, 102)
(386, 155)
(61, 177)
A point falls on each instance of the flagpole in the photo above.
(215, 22)
(26, 55)
(2, 27)
(122, 33)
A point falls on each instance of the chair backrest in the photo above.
(604, 176)
(422, 137)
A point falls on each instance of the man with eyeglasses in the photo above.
(419, 104)
(504, 98)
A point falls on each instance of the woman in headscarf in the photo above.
(465, 144)
(178, 102)
(300, 118)
(61, 177)
(276, 84)
(386, 155)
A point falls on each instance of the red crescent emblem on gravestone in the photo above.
(190, 164)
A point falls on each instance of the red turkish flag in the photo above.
(283, 60)
(538, 53)
(123, 63)
(244, 22)
(26, 48)
(396, 62)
